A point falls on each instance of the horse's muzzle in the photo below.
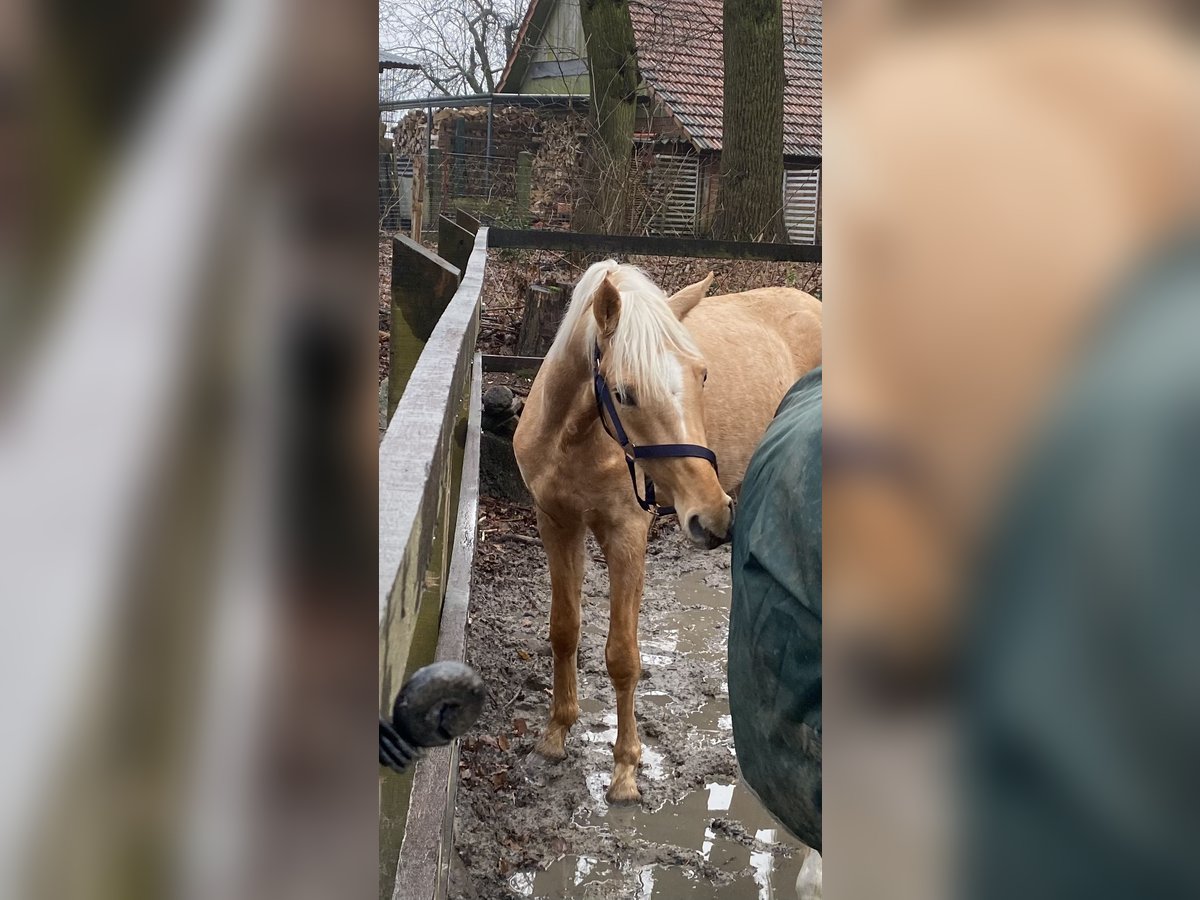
(702, 536)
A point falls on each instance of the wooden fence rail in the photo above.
(428, 489)
(700, 248)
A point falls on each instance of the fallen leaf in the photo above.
(520, 726)
(499, 780)
(502, 741)
(524, 654)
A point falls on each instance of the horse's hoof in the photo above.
(552, 747)
(623, 792)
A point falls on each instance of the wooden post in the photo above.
(524, 185)
(418, 197)
(544, 309)
(433, 179)
(454, 243)
(422, 285)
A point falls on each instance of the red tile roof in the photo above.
(681, 58)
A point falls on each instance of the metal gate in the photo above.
(801, 199)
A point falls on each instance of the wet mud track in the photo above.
(530, 828)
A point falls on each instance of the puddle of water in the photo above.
(652, 758)
(592, 706)
(572, 876)
(763, 875)
(695, 627)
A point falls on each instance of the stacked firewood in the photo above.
(514, 128)
(555, 182)
(553, 136)
(409, 135)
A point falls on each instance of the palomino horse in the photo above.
(678, 380)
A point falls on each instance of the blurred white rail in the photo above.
(81, 443)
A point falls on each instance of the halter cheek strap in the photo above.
(605, 405)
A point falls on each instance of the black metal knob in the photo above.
(439, 703)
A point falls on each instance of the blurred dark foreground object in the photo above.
(1084, 712)
(775, 621)
(439, 703)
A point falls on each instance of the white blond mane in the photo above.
(647, 335)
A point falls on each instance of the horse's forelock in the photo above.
(647, 336)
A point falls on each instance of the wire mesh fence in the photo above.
(529, 167)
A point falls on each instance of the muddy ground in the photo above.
(529, 828)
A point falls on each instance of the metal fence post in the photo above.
(524, 185)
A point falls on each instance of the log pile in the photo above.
(556, 168)
(409, 135)
(514, 128)
(554, 137)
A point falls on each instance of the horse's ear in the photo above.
(606, 307)
(681, 303)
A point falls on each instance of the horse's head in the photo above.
(656, 376)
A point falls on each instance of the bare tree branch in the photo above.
(463, 45)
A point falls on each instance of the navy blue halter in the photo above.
(605, 404)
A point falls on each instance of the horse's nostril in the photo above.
(695, 529)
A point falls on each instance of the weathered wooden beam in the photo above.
(464, 219)
(412, 459)
(574, 242)
(418, 197)
(429, 831)
(454, 242)
(416, 479)
(422, 285)
(511, 364)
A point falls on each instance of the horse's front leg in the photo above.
(564, 551)
(624, 546)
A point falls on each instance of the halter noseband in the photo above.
(605, 404)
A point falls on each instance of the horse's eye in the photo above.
(625, 397)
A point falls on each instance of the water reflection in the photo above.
(763, 863)
(719, 797)
(766, 871)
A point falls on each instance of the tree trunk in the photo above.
(612, 60)
(750, 205)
